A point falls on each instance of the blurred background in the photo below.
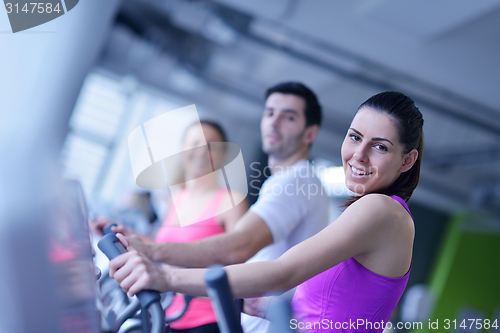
(73, 89)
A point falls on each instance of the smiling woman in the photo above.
(382, 151)
(354, 270)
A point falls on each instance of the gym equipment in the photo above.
(107, 228)
(148, 300)
(219, 291)
(280, 313)
(166, 298)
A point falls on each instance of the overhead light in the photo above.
(333, 180)
(333, 175)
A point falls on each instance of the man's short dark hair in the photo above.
(312, 112)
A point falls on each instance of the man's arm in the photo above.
(250, 235)
(374, 225)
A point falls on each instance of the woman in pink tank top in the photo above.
(350, 275)
(199, 210)
(199, 316)
(201, 203)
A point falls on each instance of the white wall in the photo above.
(41, 73)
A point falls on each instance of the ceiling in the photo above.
(223, 54)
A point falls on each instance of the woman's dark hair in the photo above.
(215, 126)
(409, 121)
(312, 112)
(179, 176)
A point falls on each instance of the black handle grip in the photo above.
(107, 228)
(222, 299)
(112, 248)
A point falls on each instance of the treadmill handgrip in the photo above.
(219, 291)
(112, 248)
(107, 228)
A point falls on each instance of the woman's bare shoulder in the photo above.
(374, 200)
(378, 208)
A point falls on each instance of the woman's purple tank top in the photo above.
(347, 298)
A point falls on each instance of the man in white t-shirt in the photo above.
(294, 209)
(292, 205)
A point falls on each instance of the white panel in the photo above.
(236, 175)
(152, 177)
(161, 131)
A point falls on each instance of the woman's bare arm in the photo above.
(361, 229)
